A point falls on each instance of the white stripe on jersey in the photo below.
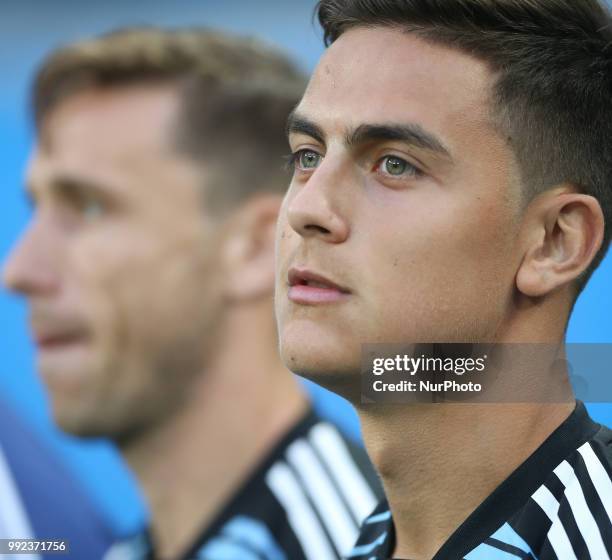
(334, 452)
(302, 518)
(599, 477)
(14, 522)
(556, 534)
(582, 514)
(334, 514)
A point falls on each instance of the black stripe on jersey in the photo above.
(532, 524)
(594, 503)
(548, 552)
(333, 478)
(578, 498)
(311, 503)
(573, 532)
(556, 487)
(508, 548)
(288, 540)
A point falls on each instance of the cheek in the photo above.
(282, 237)
(286, 243)
(284, 232)
(112, 282)
(446, 272)
(129, 289)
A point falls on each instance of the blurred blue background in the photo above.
(28, 31)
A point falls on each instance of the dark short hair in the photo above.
(236, 93)
(552, 62)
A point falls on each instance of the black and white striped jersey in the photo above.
(305, 501)
(556, 506)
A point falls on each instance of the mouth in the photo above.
(59, 341)
(310, 288)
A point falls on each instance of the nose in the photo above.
(315, 210)
(29, 269)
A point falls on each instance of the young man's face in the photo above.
(401, 219)
(117, 264)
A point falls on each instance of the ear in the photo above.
(247, 249)
(564, 231)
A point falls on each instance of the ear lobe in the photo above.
(248, 252)
(567, 233)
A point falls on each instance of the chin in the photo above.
(346, 385)
(88, 423)
(81, 412)
(327, 365)
(72, 422)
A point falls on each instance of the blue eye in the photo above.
(306, 160)
(396, 167)
(87, 206)
(92, 209)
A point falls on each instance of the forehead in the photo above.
(107, 134)
(385, 75)
(138, 116)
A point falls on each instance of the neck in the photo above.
(192, 464)
(434, 474)
(438, 462)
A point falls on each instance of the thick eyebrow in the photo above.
(70, 188)
(410, 133)
(297, 124)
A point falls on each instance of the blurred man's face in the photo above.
(401, 218)
(118, 263)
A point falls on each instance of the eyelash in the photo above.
(293, 161)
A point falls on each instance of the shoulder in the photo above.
(601, 446)
(584, 478)
(326, 486)
(307, 499)
(321, 461)
(570, 514)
